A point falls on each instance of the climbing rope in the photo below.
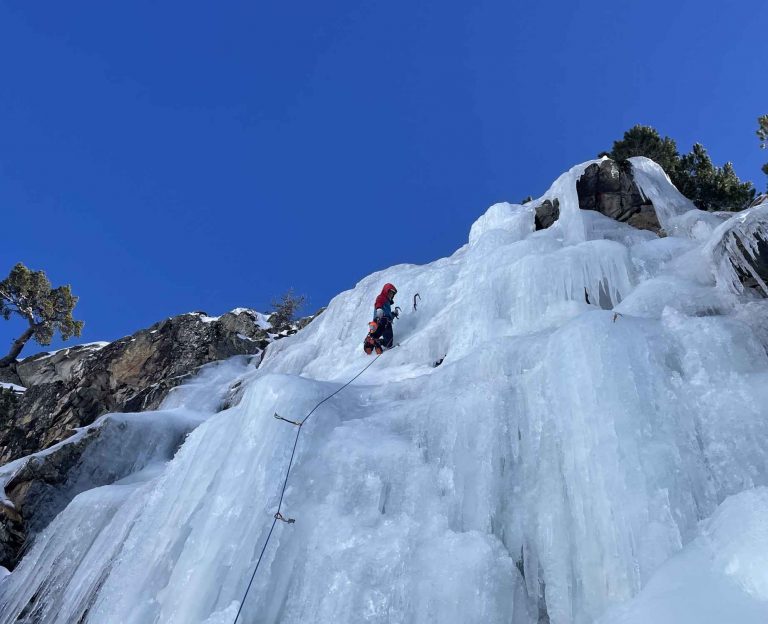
(278, 515)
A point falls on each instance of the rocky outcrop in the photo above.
(758, 261)
(609, 189)
(547, 213)
(756, 256)
(761, 199)
(69, 389)
(9, 404)
(39, 487)
(12, 536)
(8, 375)
(759, 265)
(72, 387)
(739, 251)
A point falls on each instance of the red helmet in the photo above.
(389, 288)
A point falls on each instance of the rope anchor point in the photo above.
(293, 422)
(278, 515)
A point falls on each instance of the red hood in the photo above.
(387, 288)
(383, 295)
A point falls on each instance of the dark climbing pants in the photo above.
(384, 333)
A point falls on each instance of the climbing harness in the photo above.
(414, 300)
(370, 343)
(278, 514)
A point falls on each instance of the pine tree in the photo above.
(47, 310)
(710, 187)
(646, 141)
(694, 174)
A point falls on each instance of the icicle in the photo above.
(734, 246)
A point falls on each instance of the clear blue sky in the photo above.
(164, 157)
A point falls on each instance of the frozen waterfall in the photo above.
(568, 460)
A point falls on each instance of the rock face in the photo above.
(12, 536)
(760, 265)
(759, 262)
(42, 485)
(742, 250)
(71, 388)
(608, 189)
(547, 213)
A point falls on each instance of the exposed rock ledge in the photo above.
(609, 189)
(72, 387)
(67, 390)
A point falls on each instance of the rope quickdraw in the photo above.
(278, 514)
(293, 422)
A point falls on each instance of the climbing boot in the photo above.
(369, 344)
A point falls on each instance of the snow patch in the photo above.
(11, 386)
(90, 346)
(259, 318)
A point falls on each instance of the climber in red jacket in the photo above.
(380, 334)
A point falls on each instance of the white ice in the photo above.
(721, 576)
(562, 460)
(12, 386)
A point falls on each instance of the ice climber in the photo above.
(380, 336)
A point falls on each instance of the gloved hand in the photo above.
(395, 314)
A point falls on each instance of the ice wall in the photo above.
(559, 458)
